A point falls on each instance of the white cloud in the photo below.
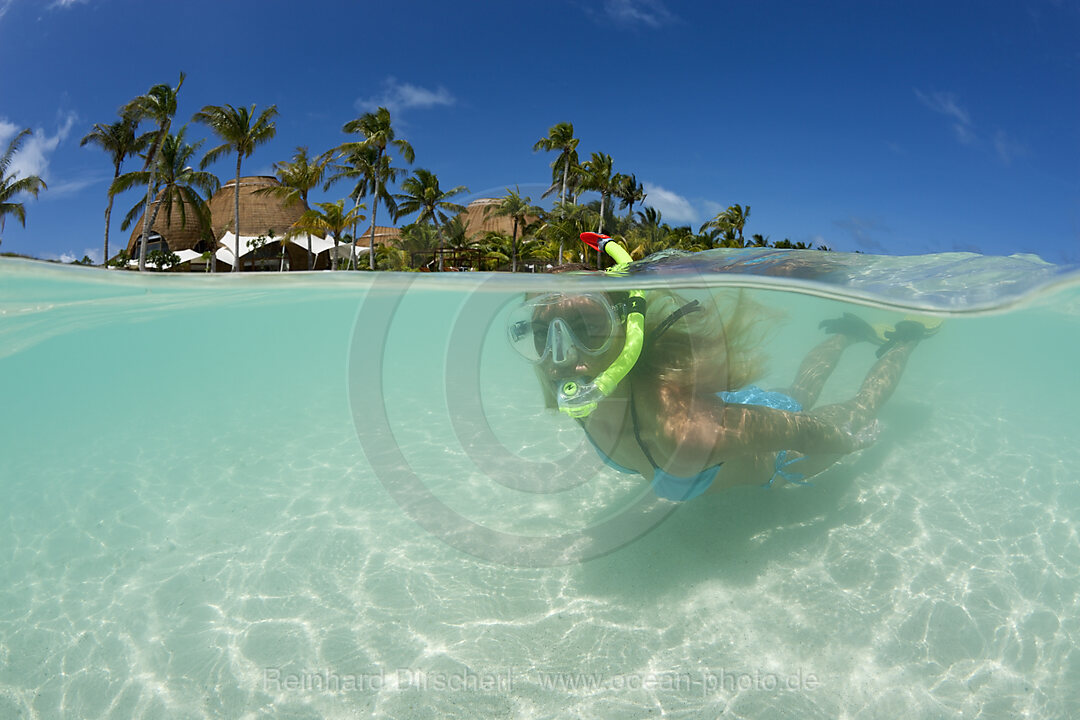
(68, 256)
(69, 187)
(402, 96)
(32, 157)
(7, 131)
(673, 207)
(713, 208)
(5, 5)
(652, 13)
(1007, 148)
(947, 104)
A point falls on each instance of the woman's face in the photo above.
(577, 336)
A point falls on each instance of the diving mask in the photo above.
(547, 327)
(554, 325)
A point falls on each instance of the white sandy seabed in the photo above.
(246, 562)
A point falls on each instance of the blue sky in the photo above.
(888, 126)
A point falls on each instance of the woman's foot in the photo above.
(853, 327)
(910, 329)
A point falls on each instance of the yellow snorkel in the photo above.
(578, 398)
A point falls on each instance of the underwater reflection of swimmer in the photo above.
(660, 382)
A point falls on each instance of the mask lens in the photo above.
(591, 324)
(589, 320)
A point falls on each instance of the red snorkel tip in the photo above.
(593, 239)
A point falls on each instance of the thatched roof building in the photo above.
(479, 218)
(259, 212)
(181, 231)
(383, 235)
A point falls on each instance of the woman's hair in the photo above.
(704, 338)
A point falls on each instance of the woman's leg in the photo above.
(816, 368)
(820, 362)
(880, 382)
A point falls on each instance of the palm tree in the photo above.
(297, 179)
(564, 224)
(379, 135)
(12, 185)
(421, 194)
(597, 174)
(651, 222)
(560, 138)
(243, 132)
(730, 222)
(363, 164)
(158, 105)
(327, 218)
(495, 246)
(454, 235)
(175, 184)
(119, 140)
(629, 191)
(517, 209)
(416, 239)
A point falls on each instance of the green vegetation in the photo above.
(330, 218)
(12, 185)
(158, 106)
(120, 141)
(538, 238)
(175, 185)
(378, 136)
(243, 132)
(297, 179)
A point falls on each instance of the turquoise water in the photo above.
(339, 496)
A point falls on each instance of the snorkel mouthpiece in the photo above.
(578, 398)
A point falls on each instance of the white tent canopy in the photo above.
(342, 251)
(318, 245)
(184, 255)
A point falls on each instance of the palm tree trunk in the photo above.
(310, 259)
(439, 245)
(565, 172)
(108, 214)
(371, 241)
(145, 225)
(513, 248)
(153, 219)
(151, 165)
(236, 215)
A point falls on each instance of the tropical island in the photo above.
(188, 221)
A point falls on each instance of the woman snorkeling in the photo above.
(661, 383)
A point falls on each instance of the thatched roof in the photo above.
(479, 218)
(259, 214)
(179, 234)
(383, 235)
